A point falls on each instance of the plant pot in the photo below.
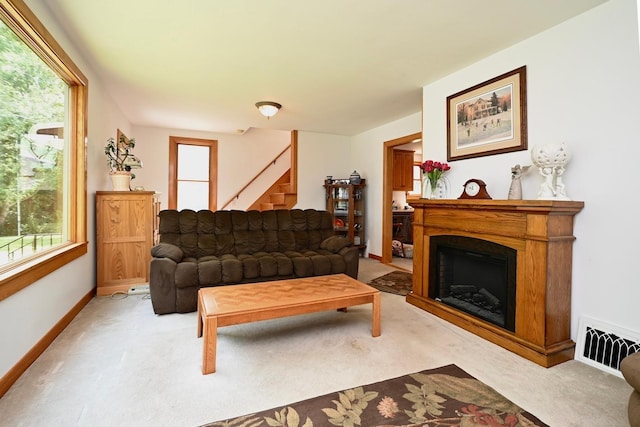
(121, 181)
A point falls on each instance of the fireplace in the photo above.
(474, 276)
(500, 269)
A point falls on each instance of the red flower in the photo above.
(485, 419)
(434, 170)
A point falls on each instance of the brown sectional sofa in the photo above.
(207, 248)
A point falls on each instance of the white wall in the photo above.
(368, 154)
(240, 158)
(583, 87)
(28, 315)
(320, 155)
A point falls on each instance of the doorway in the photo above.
(387, 198)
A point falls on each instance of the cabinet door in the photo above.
(124, 236)
(402, 170)
(345, 202)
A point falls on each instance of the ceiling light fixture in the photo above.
(268, 108)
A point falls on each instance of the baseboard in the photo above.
(19, 368)
(376, 257)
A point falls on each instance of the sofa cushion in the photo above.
(302, 265)
(335, 243)
(232, 269)
(167, 250)
(285, 265)
(209, 271)
(250, 266)
(186, 273)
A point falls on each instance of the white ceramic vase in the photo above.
(121, 181)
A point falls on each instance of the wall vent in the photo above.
(604, 346)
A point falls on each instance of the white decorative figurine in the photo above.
(515, 191)
(551, 160)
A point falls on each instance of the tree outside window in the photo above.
(32, 151)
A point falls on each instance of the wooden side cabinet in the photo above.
(402, 170)
(126, 229)
(346, 204)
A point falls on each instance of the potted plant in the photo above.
(121, 160)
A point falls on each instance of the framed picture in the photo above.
(488, 118)
(122, 140)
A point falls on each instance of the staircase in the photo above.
(283, 193)
(279, 196)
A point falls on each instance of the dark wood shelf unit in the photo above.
(346, 204)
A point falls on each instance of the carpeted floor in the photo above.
(119, 364)
(396, 282)
(436, 397)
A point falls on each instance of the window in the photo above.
(417, 183)
(43, 98)
(192, 173)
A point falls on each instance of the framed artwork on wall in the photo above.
(488, 118)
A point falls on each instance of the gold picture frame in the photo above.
(488, 118)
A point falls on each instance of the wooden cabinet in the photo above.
(402, 170)
(126, 229)
(346, 204)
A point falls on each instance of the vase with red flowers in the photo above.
(434, 185)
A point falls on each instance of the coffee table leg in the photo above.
(375, 315)
(209, 345)
(200, 313)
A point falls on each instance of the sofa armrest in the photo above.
(335, 244)
(167, 250)
(162, 285)
(351, 255)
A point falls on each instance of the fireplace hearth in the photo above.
(500, 269)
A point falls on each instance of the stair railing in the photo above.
(269, 165)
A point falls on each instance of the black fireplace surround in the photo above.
(475, 276)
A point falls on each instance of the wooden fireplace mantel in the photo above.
(541, 231)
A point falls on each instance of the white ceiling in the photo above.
(336, 66)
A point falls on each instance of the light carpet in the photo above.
(118, 364)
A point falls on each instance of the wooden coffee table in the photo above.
(234, 304)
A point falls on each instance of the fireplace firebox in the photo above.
(474, 276)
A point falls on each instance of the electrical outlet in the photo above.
(138, 290)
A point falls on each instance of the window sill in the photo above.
(24, 274)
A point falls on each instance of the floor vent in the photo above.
(604, 346)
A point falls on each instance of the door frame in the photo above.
(387, 193)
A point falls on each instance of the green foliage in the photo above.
(349, 407)
(287, 417)
(30, 93)
(119, 154)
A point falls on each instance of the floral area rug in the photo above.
(397, 282)
(445, 396)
